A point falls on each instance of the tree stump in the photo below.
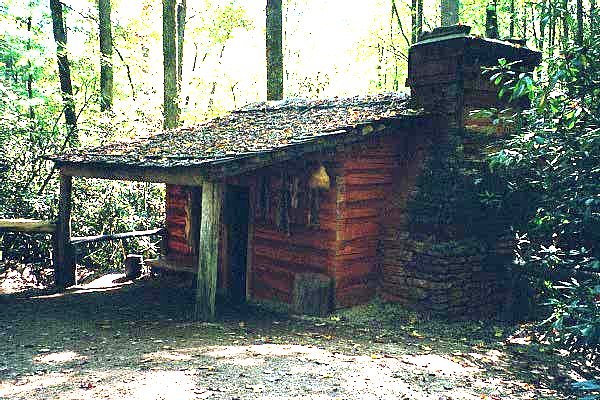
(313, 294)
(133, 266)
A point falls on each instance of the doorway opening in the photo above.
(237, 205)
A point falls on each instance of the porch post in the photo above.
(64, 268)
(208, 250)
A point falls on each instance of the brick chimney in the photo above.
(445, 71)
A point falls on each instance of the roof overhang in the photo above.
(194, 174)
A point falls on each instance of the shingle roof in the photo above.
(253, 129)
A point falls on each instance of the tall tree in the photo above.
(491, 21)
(449, 12)
(64, 69)
(30, 70)
(274, 50)
(511, 29)
(106, 53)
(565, 22)
(579, 37)
(419, 18)
(181, 12)
(413, 21)
(170, 101)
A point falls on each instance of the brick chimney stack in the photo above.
(445, 71)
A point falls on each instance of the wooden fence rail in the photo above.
(116, 236)
(39, 226)
(27, 226)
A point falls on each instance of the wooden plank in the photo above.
(27, 225)
(318, 259)
(116, 236)
(191, 176)
(313, 238)
(188, 265)
(65, 268)
(208, 256)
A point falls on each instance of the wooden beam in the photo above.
(64, 268)
(116, 236)
(27, 225)
(190, 176)
(208, 255)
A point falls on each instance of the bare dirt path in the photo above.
(107, 341)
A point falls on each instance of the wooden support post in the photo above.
(64, 269)
(208, 254)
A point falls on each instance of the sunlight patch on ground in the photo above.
(58, 358)
(105, 283)
(438, 364)
(165, 355)
(165, 385)
(266, 350)
(30, 384)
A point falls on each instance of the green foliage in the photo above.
(556, 155)
(31, 130)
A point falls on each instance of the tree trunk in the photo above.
(565, 21)
(419, 18)
(579, 38)
(524, 29)
(30, 76)
(449, 12)
(181, 12)
(491, 22)
(64, 69)
(274, 50)
(106, 53)
(511, 29)
(170, 105)
(413, 21)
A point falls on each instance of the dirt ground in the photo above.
(136, 341)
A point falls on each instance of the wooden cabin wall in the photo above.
(279, 253)
(366, 179)
(178, 221)
(345, 244)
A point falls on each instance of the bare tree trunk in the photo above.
(579, 37)
(170, 105)
(399, 21)
(413, 21)
(524, 29)
(419, 18)
(565, 21)
(106, 53)
(449, 12)
(181, 12)
(491, 22)
(274, 50)
(533, 27)
(30, 76)
(64, 69)
(511, 29)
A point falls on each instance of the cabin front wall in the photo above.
(343, 242)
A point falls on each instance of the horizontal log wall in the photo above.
(278, 255)
(366, 178)
(178, 221)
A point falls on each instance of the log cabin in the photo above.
(279, 193)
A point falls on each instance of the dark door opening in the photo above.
(237, 204)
